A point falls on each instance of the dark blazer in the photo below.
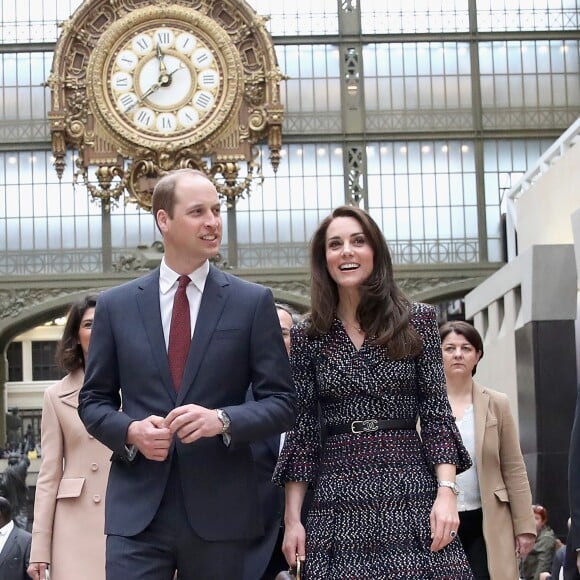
(237, 342)
(558, 563)
(573, 541)
(260, 550)
(15, 556)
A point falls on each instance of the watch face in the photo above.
(165, 79)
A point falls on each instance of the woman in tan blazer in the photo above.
(69, 518)
(495, 502)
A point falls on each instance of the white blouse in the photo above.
(469, 495)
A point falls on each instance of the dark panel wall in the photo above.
(546, 377)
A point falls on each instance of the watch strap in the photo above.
(225, 419)
(450, 484)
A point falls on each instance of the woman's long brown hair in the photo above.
(383, 310)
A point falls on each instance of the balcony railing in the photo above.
(566, 141)
(250, 256)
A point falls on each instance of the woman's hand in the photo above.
(37, 570)
(294, 544)
(524, 544)
(444, 519)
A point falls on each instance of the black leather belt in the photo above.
(369, 425)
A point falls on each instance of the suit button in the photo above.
(94, 467)
(96, 498)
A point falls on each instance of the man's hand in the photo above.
(192, 422)
(151, 437)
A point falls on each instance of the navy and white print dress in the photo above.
(369, 518)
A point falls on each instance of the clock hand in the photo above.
(149, 91)
(163, 81)
(162, 67)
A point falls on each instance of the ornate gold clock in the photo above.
(168, 76)
(140, 87)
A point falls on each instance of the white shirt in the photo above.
(469, 495)
(4, 533)
(167, 288)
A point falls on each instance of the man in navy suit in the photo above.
(14, 545)
(182, 491)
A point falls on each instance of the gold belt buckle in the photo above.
(364, 426)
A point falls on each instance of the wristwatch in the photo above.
(450, 484)
(225, 419)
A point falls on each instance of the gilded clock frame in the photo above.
(228, 61)
(126, 164)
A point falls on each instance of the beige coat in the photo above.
(69, 506)
(505, 491)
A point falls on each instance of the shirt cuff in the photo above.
(130, 452)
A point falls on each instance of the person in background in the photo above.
(14, 488)
(557, 570)
(540, 558)
(264, 558)
(495, 502)
(14, 545)
(369, 362)
(68, 529)
(180, 346)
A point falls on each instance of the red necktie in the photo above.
(179, 332)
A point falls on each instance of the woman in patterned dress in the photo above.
(384, 503)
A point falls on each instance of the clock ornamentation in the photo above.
(140, 87)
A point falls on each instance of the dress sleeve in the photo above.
(300, 456)
(49, 477)
(441, 438)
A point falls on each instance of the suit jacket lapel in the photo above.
(9, 547)
(210, 310)
(480, 406)
(148, 303)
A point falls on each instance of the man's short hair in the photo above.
(5, 509)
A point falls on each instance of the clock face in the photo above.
(165, 79)
(164, 82)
